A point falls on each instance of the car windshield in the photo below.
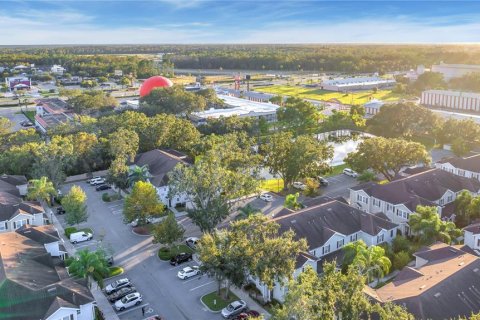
(125, 299)
(231, 307)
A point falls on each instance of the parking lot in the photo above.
(163, 292)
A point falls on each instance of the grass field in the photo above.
(165, 254)
(317, 94)
(273, 185)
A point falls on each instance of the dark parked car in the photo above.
(60, 210)
(103, 187)
(181, 258)
(109, 260)
(322, 181)
(121, 293)
(247, 315)
(26, 123)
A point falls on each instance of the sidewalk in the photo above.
(252, 304)
(100, 299)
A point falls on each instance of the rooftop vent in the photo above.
(461, 263)
(422, 287)
(438, 294)
(475, 270)
(293, 221)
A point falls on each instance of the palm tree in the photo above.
(89, 265)
(41, 189)
(137, 173)
(370, 261)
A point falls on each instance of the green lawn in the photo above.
(29, 114)
(273, 185)
(359, 97)
(165, 254)
(336, 170)
(216, 303)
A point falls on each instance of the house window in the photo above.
(441, 202)
(353, 237)
(389, 207)
(20, 223)
(340, 243)
(478, 242)
(326, 250)
(376, 202)
(449, 198)
(3, 226)
(391, 233)
(380, 238)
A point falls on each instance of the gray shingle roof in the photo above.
(471, 163)
(159, 163)
(11, 205)
(423, 188)
(30, 284)
(319, 223)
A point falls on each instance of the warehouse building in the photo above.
(451, 100)
(360, 83)
(249, 95)
(237, 107)
(450, 71)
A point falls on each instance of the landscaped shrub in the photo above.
(400, 260)
(106, 197)
(400, 243)
(69, 231)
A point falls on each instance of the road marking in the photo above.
(86, 244)
(198, 277)
(116, 205)
(132, 309)
(203, 285)
(116, 212)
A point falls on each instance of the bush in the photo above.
(106, 197)
(401, 259)
(367, 176)
(69, 231)
(400, 243)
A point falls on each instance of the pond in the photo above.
(343, 142)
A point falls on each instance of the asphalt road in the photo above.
(164, 294)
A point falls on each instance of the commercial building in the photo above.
(451, 100)
(373, 107)
(237, 107)
(400, 198)
(360, 83)
(450, 71)
(443, 284)
(57, 69)
(18, 83)
(249, 95)
(328, 225)
(51, 112)
(34, 281)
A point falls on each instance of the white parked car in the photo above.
(188, 272)
(117, 285)
(80, 236)
(192, 242)
(133, 299)
(233, 309)
(299, 185)
(97, 181)
(350, 172)
(266, 197)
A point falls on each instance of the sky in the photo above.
(241, 21)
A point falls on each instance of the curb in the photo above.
(123, 271)
(208, 309)
(141, 235)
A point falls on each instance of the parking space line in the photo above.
(192, 279)
(88, 244)
(132, 309)
(116, 205)
(203, 285)
(116, 212)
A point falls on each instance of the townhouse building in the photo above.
(400, 198)
(465, 167)
(327, 227)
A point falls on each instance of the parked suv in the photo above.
(133, 299)
(299, 185)
(350, 172)
(103, 187)
(121, 293)
(117, 285)
(181, 258)
(97, 181)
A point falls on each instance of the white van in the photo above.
(80, 236)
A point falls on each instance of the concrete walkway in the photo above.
(101, 300)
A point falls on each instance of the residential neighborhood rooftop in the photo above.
(471, 163)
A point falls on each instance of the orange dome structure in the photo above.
(154, 82)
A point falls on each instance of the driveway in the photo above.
(164, 294)
(11, 113)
